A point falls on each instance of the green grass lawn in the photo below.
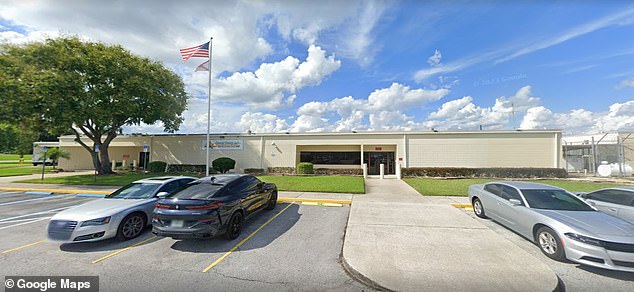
(330, 184)
(327, 184)
(14, 157)
(25, 170)
(102, 180)
(459, 187)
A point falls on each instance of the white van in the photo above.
(38, 152)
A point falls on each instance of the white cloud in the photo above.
(620, 116)
(399, 96)
(434, 60)
(382, 110)
(464, 114)
(262, 123)
(627, 83)
(358, 43)
(273, 85)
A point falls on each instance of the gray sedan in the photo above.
(123, 214)
(561, 224)
(618, 201)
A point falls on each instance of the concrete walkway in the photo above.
(398, 240)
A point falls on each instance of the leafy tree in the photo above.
(91, 89)
(55, 153)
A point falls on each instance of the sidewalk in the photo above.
(398, 240)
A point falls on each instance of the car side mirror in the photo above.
(515, 202)
(162, 195)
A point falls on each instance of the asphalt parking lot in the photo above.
(575, 277)
(293, 247)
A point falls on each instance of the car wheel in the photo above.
(235, 226)
(550, 244)
(131, 226)
(478, 209)
(272, 201)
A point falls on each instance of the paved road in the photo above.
(574, 276)
(299, 250)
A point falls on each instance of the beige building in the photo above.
(534, 148)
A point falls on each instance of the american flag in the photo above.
(197, 51)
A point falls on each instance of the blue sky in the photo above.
(372, 65)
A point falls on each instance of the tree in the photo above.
(91, 89)
(55, 153)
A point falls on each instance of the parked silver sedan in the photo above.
(123, 214)
(561, 224)
(618, 201)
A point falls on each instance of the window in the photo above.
(511, 193)
(554, 200)
(494, 189)
(343, 158)
(619, 197)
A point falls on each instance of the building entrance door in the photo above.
(374, 160)
(144, 159)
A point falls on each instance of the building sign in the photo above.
(224, 144)
(378, 148)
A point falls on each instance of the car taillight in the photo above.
(162, 206)
(211, 206)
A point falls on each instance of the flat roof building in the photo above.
(476, 149)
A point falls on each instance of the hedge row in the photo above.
(484, 172)
(185, 168)
(338, 171)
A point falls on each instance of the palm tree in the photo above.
(54, 153)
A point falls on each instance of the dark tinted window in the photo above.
(134, 191)
(612, 196)
(197, 191)
(345, 158)
(494, 189)
(554, 200)
(511, 193)
(170, 187)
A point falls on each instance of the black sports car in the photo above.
(211, 206)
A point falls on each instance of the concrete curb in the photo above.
(358, 276)
(101, 194)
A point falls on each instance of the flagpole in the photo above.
(208, 112)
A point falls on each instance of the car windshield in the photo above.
(196, 191)
(135, 191)
(554, 200)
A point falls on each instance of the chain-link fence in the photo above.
(586, 154)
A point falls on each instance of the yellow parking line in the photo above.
(244, 240)
(123, 249)
(322, 204)
(24, 246)
(462, 205)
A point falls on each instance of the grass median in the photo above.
(326, 184)
(24, 170)
(459, 187)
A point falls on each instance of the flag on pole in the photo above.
(197, 51)
(203, 67)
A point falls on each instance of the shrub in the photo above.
(338, 171)
(254, 170)
(157, 166)
(305, 168)
(524, 172)
(223, 164)
(281, 170)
